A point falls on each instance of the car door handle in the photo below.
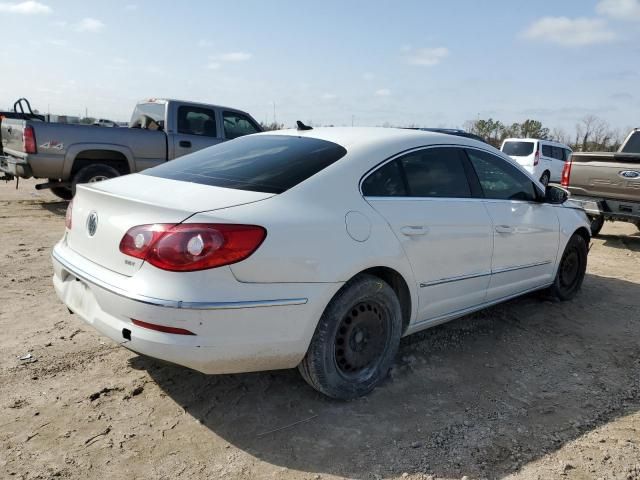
(504, 229)
(414, 230)
(185, 144)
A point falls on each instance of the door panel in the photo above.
(450, 252)
(197, 128)
(526, 236)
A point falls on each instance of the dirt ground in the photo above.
(528, 389)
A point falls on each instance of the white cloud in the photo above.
(329, 96)
(569, 32)
(427, 57)
(25, 8)
(368, 76)
(383, 92)
(89, 25)
(234, 57)
(619, 9)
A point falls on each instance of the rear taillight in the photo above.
(192, 246)
(566, 173)
(67, 216)
(29, 139)
(536, 159)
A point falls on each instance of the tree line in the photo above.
(591, 133)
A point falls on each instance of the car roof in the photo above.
(529, 139)
(353, 137)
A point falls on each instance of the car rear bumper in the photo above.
(610, 208)
(15, 167)
(247, 335)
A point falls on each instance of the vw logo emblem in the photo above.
(629, 174)
(92, 223)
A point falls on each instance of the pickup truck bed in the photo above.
(607, 184)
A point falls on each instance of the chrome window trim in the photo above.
(483, 274)
(179, 304)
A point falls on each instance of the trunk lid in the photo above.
(11, 134)
(125, 202)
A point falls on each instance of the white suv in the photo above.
(542, 158)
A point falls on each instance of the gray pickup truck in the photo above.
(607, 184)
(160, 130)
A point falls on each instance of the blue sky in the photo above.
(430, 63)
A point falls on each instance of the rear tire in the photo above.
(356, 340)
(571, 270)
(96, 172)
(544, 179)
(597, 222)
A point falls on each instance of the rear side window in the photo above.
(236, 125)
(385, 182)
(518, 149)
(500, 180)
(633, 144)
(261, 163)
(547, 151)
(436, 172)
(196, 121)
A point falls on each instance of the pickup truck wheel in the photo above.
(597, 222)
(571, 270)
(93, 173)
(356, 340)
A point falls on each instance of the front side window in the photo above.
(547, 151)
(558, 154)
(196, 121)
(236, 125)
(500, 180)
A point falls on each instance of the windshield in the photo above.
(518, 149)
(259, 163)
(148, 115)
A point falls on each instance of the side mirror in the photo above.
(555, 195)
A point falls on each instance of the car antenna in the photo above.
(302, 126)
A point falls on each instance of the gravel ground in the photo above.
(528, 389)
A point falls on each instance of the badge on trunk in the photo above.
(92, 223)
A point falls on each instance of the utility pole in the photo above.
(274, 113)
(352, 119)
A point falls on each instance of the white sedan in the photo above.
(312, 248)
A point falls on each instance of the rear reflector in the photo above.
(68, 215)
(162, 328)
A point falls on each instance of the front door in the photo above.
(197, 128)
(427, 200)
(525, 230)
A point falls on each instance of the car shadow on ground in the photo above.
(631, 242)
(481, 396)
(57, 208)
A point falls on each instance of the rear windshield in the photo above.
(259, 163)
(518, 149)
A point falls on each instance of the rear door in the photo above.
(522, 151)
(196, 128)
(525, 230)
(426, 198)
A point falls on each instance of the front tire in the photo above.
(571, 270)
(356, 340)
(93, 173)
